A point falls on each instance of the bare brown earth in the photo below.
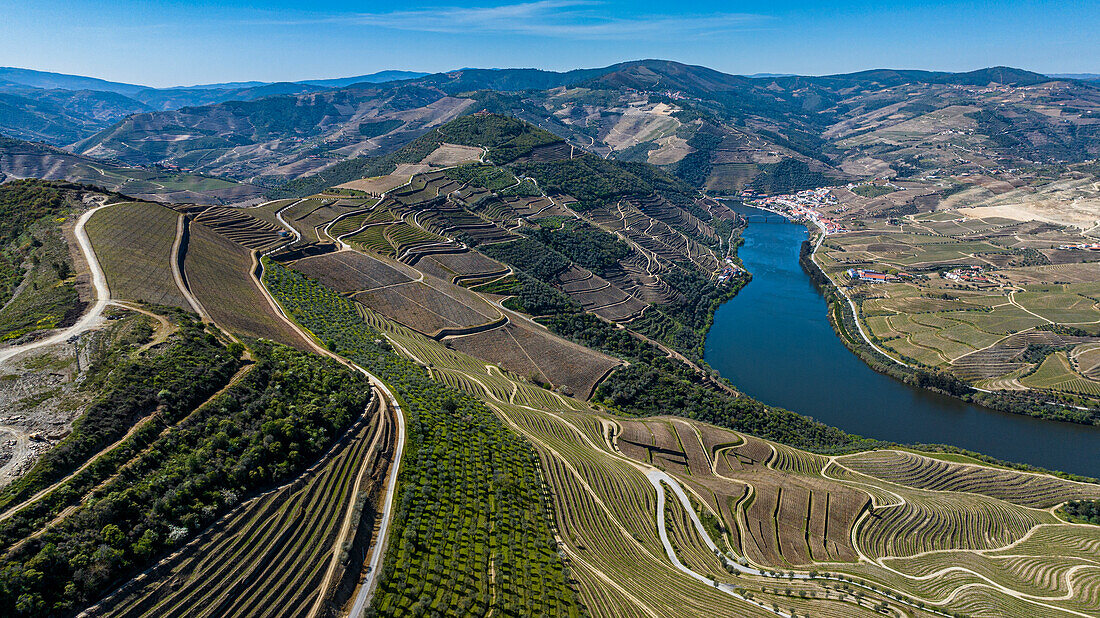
(532, 352)
(378, 184)
(455, 267)
(218, 274)
(452, 154)
(133, 243)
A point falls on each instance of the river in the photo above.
(774, 342)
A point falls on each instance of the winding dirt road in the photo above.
(90, 319)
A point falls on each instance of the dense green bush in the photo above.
(170, 381)
(22, 202)
(787, 176)
(262, 430)
(586, 245)
(530, 256)
(486, 176)
(597, 182)
(1083, 511)
(645, 390)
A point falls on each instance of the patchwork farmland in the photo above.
(999, 303)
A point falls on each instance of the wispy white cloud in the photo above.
(571, 19)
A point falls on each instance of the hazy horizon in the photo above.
(177, 43)
(760, 74)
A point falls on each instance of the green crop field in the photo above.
(373, 240)
(402, 236)
(1059, 304)
(473, 509)
(871, 190)
(351, 223)
(487, 176)
(1054, 370)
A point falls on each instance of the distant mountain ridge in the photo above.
(715, 130)
(62, 109)
(1088, 77)
(48, 80)
(63, 81)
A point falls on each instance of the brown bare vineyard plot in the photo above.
(218, 272)
(424, 303)
(530, 351)
(430, 308)
(133, 243)
(350, 271)
(458, 267)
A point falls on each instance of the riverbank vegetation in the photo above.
(1082, 511)
(1040, 405)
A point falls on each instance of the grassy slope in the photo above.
(37, 282)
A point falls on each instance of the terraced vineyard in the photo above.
(242, 228)
(756, 493)
(449, 552)
(921, 472)
(222, 474)
(270, 554)
(464, 319)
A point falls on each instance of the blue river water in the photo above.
(774, 342)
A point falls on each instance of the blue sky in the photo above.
(177, 43)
